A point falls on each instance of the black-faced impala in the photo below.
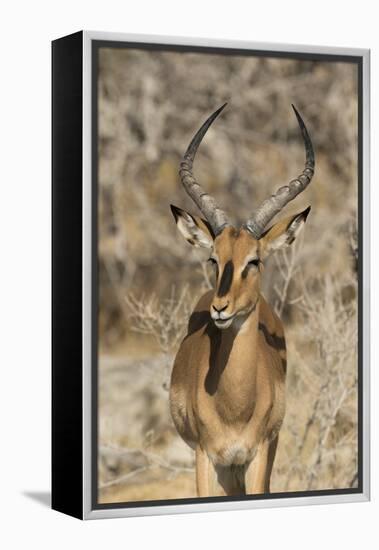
(227, 393)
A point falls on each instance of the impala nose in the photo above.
(220, 309)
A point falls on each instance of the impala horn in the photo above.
(271, 206)
(214, 215)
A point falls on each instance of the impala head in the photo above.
(238, 254)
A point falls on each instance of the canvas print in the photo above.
(227, 193)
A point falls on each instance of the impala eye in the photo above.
(254, 262)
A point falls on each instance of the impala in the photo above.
(227, 391)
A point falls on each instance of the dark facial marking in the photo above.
(226, 279)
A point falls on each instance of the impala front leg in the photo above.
(256, 472)
(202, 472)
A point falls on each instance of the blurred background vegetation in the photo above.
(150, 105)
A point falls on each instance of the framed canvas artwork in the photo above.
(210, 275)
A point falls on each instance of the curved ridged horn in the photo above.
(214, 215)
(271, 206)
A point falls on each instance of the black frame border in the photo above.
(96, 45)
(67, 254)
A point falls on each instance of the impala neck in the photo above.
(232, 364)
(243, 340)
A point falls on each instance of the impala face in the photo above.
(237, 263)
(237, 257)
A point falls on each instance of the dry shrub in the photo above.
(318, 447)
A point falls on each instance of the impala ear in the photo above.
(283, 233)
(194, 229)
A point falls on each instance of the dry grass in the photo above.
(150, 278)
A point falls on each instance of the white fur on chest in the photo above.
(234, 453)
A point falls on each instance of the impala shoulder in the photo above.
(271, 328)
(269, 318)
(200, 316)
(205, 301)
